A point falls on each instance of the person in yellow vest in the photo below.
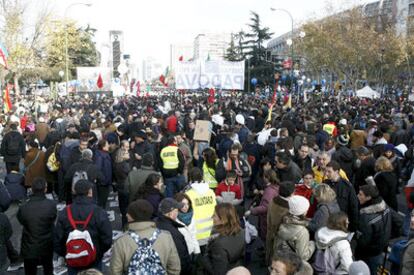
(172, 166)
(203, 201)
(322, 160)
(209, 167)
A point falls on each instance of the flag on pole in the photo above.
(7, 105)
(162, 80)
(99, 82)
(288, 101)
(211, 98)
(3, 56)
(138, 88)
(269, 117)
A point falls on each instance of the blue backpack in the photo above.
(145, 260)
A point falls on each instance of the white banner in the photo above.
(88, 79)
(210, 74)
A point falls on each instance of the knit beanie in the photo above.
(343, 140)
(298, 205)
(359, 268)
(389, 147)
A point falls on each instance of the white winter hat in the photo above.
(342, 122)
(240, 119)
(298, 205)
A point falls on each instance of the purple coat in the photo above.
(270, 192)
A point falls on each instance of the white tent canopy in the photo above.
(367, 92)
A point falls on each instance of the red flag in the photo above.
(211, 98)
(99, 83)
(138, 89)
(181, 58)
(7, 105)
(162, 80)
(275, 91)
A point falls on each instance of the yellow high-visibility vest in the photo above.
(320, 175)
(203, 211)
(329, 128)
(209, 175)
(169, 157)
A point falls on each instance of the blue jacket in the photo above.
(104, 163)
(243, 133)
(15, 185)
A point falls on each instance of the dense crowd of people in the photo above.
(322, 183)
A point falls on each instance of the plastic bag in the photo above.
(250, 231)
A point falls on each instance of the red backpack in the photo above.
(80, 251)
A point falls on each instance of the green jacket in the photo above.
(136, 179)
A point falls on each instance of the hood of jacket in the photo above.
(291, 226)
(381, 141)
(326, 237)
(345, 154)
(374, 208)
(200, 187)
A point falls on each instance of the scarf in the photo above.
(186, 217)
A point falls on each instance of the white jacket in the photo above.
(341, 250)
(189, 233)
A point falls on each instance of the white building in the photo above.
(213, 45)
(151, 69)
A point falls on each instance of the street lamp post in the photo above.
(66, 42)
(291, 46)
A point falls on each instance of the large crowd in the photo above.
(322, 187)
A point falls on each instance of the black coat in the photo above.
(21, 151)
(5, 234)
(38, 217)
(121, 171)
(15, 185)
(103, 162)
(387, 183)
(94, 174)
(344, 156)
(75, 155)
(347, 201)
(141, 149)
(366, 169)
(223, 253)
(291, 173)
(99, 226)
(304, 164)
(5, 199)
(171, 226)
(375, 229)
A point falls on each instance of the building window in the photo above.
(411, 9)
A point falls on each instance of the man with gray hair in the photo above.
(84, 169)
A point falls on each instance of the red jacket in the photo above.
(223, 187)
(407, 191)
(172, 124)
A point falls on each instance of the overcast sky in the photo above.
(150, 26)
